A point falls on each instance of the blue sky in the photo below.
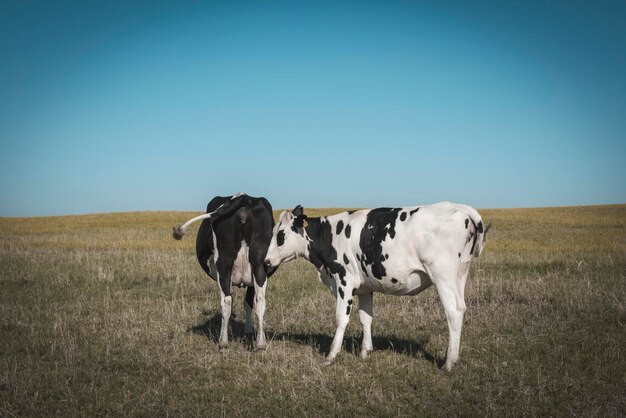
(118, 106)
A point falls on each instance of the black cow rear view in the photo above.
(231, 246)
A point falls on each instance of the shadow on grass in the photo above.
(412, 348)
(212, 327)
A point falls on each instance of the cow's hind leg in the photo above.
(224, 268)
(446, 281)
(249, 303)
(366, 305)
(463, 274)
(260, 283)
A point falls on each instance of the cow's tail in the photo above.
(224, 209)
(479, 235)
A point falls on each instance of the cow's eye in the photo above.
(280, 237)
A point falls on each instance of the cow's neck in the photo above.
(320, 250)
(314, 233)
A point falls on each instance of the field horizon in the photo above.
(324, 210)
(106, 314)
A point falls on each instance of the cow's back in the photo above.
(243, 234)
(394, 245)
(431, 231)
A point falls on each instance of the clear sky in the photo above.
(122, 105)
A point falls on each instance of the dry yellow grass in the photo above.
(107, 315)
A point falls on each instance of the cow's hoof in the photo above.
(329, 362)
(365, 354)
(222, 348)
(447, 367)
(261, 347)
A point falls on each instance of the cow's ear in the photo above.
(300, 221)
(298, 211)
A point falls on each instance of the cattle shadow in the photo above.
(413, 348)
(352, 343)
(212, 327)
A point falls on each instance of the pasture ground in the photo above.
(108, 315)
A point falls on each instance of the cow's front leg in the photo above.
(342, 315)
(223, 279)
(366, 307)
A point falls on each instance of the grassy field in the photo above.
(108, 315)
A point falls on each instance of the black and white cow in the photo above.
(399, 251)
(231, 245)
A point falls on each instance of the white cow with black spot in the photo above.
(400, 251)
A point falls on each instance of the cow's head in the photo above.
(288, 238)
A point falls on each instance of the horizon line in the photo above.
(311, 208)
